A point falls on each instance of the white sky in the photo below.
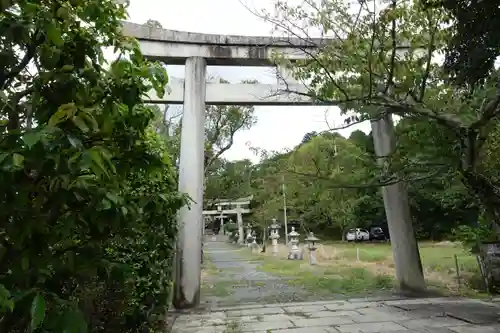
(277, 128)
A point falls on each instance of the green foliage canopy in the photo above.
(381, 59)
(88, 192)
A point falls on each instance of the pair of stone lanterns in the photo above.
(295, 253)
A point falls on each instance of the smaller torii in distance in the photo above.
(227, 207)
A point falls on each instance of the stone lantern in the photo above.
(255, 247)
(249, 237)
(311, 245)
(274, 236)
(294, 253)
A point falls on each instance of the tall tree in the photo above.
(381, 59)
(475, 42)
(362, 140)
(329, 184)
(165, 123)
(222, 123)
(308, 136)
(230, 180)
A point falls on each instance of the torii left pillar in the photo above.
(187, 270)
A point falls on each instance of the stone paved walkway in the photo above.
(238, 280)
(438, 315)
(234, 278)
(239, 298)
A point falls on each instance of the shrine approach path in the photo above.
(233, 276)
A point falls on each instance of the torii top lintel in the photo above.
(174, 47)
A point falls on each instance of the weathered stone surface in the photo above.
(368, 315)
(323, 314)
(475, 329)
(237, 93)
(422, 313)
(304, 330)
(349, 305)
(376, 318)
(255, 312)
(408, 301)
(322, 302)
(362, 315)
(327, 321)
(432, 322)
(434, 330)
(305, 308)
(377, 299)
(274, 317)
(426, 330)
(141, 31)
(268, 325)
(415, 314)
(471, 311)
(371, 328)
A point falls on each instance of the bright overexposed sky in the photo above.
(278, 127)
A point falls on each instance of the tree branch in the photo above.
(430, 50)
(13, 112)
(420, 109)
(232, 132)
(392, 62)
(488, 112)
(376, 183)
(7, 78)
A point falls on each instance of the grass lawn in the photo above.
(340, 271)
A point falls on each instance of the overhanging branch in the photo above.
(375, 183)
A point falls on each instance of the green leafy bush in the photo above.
(471, 237)
(88, 192)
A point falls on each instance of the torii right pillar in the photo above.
(409, 272)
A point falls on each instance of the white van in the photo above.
(357, 235)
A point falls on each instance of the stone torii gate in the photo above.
(196, 51)
(226, 207)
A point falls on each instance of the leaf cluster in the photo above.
(88, 192)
